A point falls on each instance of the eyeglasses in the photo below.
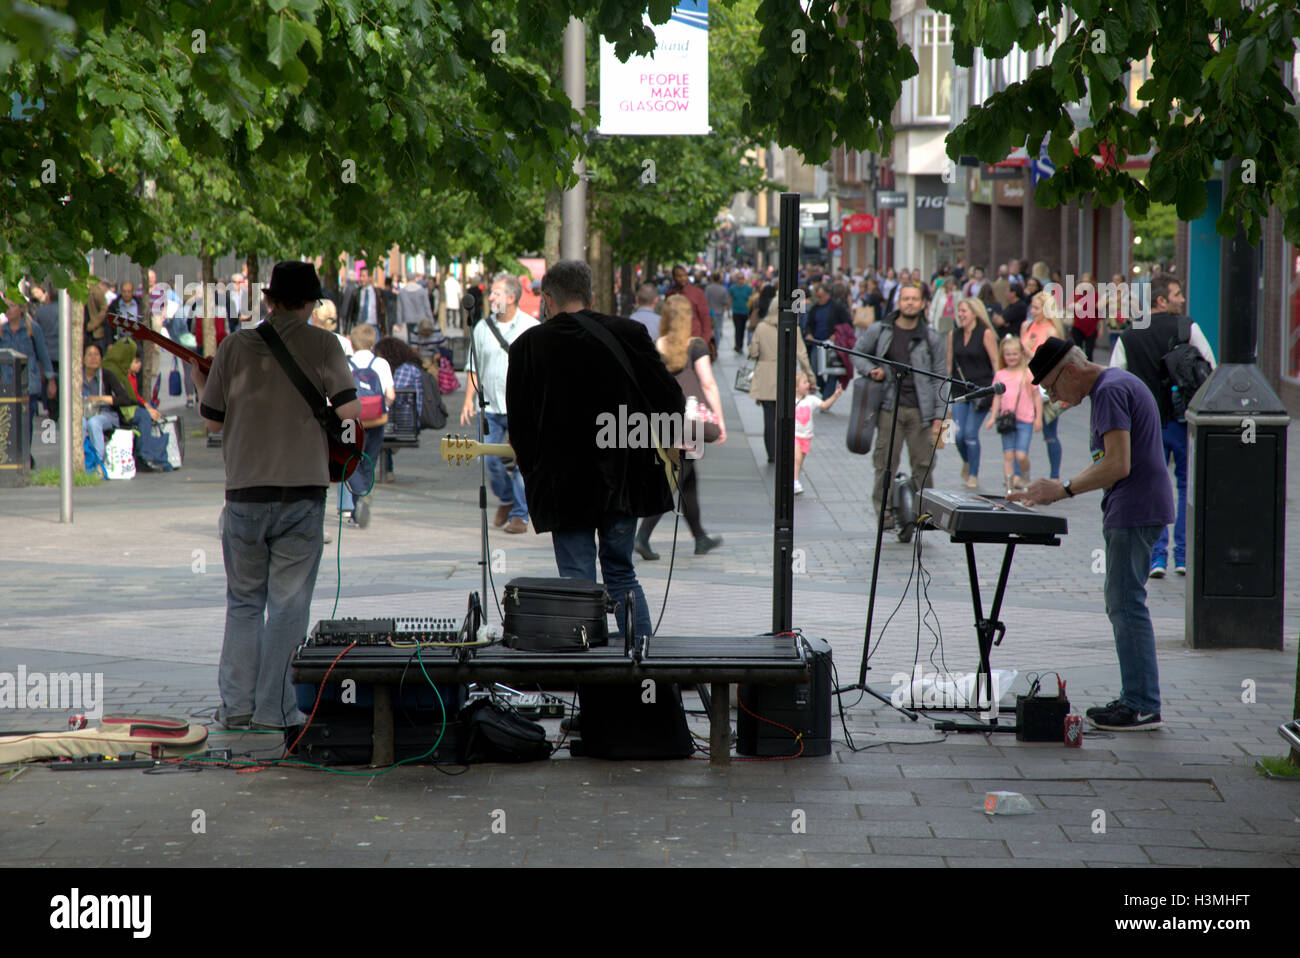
(1051, 390)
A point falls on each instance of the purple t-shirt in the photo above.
(1144, 497)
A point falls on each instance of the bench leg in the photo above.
(720, 726)
(382, 752)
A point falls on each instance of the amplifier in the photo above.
(384, 631)
(804, 708)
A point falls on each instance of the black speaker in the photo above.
(617, 722)
(805, 709)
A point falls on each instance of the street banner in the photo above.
(860, 223)
(834, 240)
(666, 93)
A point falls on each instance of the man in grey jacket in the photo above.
(908, 339)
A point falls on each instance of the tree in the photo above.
(1215, 92)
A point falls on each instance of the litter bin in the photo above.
(15, 431)
(1236, 511)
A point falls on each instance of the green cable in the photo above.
(338, 539)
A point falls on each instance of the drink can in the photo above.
(1073, 731)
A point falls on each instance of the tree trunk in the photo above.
(626, 280)
(208, 321)
(253, 273)
(442, 298)
(551, 227)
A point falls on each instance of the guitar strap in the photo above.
(331, 423)
(497, 333)
(620, 354)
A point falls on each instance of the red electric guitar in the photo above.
(344, 457)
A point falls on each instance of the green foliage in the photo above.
(1283, 767)
(50, 477)
(1215, 92)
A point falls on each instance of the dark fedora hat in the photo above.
(294, 282)
(1049, 354)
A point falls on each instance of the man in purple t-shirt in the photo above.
(1128, 462)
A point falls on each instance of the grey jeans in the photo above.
(272, 552)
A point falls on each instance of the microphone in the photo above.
(997, 389)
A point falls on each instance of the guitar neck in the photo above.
(138, 330)
(459, 448)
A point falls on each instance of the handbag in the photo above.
(448, 381)
(1005, 423)
(699, 411)
(745, 376)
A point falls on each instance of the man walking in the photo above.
(1128, 462)
(719, 300)
(490, 352)
(1141, 352)
(907, 339)
(277, 474)
(366, 306)
(579, 488)
(646, 297)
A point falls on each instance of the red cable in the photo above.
(316, 705)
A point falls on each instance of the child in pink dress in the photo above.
(803, 426)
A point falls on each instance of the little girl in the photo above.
(1022, 399)
(803, 427)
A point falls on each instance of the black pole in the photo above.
(786, 346)
(1239, 296)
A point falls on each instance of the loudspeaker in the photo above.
(805, 709)
(617, 722)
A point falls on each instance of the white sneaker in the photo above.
(798, 488)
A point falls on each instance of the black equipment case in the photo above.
(628, 722)
(555, 615)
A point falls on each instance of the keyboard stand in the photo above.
(989, 633)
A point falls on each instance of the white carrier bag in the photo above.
(119, 455)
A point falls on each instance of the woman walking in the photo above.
(762, 388)
(973, 355)
(1045, 321)
(687, 358)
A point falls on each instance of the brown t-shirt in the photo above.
(271, 440)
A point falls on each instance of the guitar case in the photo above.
(555, 615)
(863, 406)
(114, 735)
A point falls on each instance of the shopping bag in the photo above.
(119, 455)
(168, 429)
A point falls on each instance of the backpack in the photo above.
(1184, 368)
(370, 390)
(433, 413)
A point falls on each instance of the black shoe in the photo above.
(703, 544)
(643, 549)
(1102, 709)
(361, 513)
(1121, 718)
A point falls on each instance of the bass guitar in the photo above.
(344, 456)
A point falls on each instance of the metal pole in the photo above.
(65, 407)
(786, 352)
(573, 208)
(1239, 296)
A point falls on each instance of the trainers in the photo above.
(798, 488)
(516, 525)
(361, 513)
(1121, 718)
(1099, 709)
(1180, 569)
(237, 723)
(1157, 571)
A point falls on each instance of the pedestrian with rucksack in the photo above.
(1173, 358)
(375, 390)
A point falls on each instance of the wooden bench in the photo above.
(718, 660)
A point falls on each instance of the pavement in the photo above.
(134, 589)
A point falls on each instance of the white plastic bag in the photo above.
(119, 455)
(168, 429)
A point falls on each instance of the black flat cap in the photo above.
(1049, 354)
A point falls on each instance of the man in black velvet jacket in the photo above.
(563, 384)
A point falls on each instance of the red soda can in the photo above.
(1073, 731)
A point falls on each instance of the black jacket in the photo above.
(1144, 351)
(561, 380)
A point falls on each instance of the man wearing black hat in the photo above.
(277, 475)
(1128, 462)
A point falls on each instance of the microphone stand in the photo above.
(900, 371)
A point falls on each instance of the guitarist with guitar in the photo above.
(277, 457)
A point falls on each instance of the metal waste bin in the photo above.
(1236, 511)
(15, 430)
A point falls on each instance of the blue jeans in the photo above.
(1053, 446)
(969, 420)
(575, 557)
(1128, 557)
(509, 491)
(96, 426)
(272, 552)
(362, 480)
(1175, 440)
(151, 446)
